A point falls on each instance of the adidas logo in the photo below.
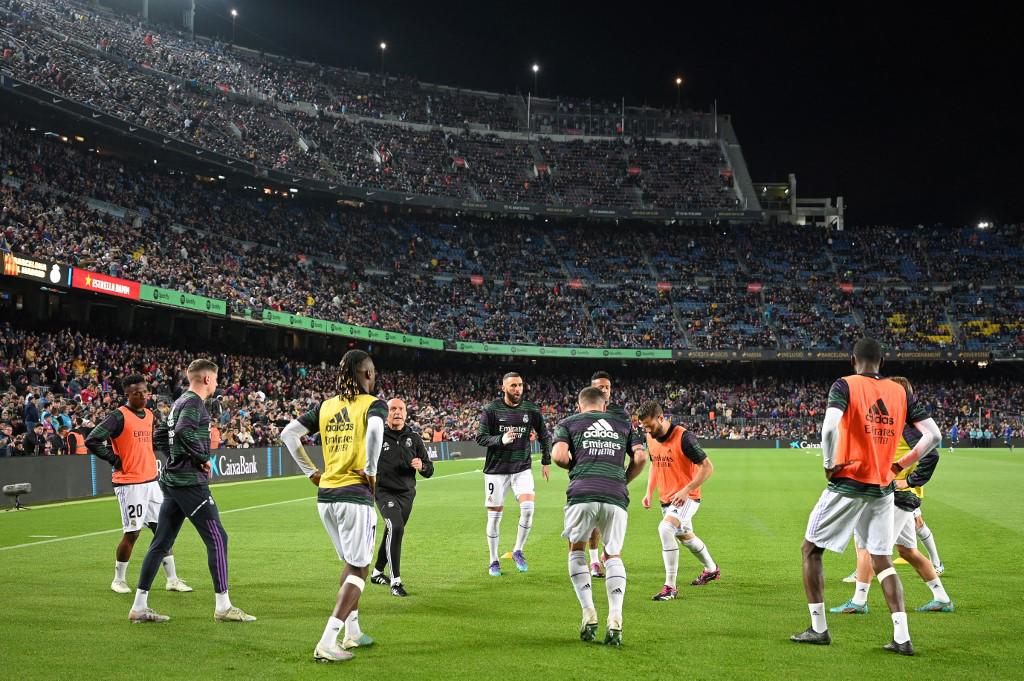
(878, 413)
(616, 591)
(341, 417)
(585, 587)
(601, 428)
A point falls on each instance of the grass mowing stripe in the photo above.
(233, 510)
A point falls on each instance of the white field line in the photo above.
(233, 510)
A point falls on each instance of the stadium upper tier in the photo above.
(511, 280)
(363, 130)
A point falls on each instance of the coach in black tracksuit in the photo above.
(401, 455)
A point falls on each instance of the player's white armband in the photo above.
(374, 440)
(291, 436)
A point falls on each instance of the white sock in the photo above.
(120, 570)
(700, 552)
(330, 637)
(860, 593)
(493, 533)
(376, 573)
(669, 552)
(223, 602)
(141, 600)
(396, 580)
(615, 585)
(169, 569)
(900, 629)
(817, 617)
(579, 575)
(926, 536)
(594, 556)
(525, 523)
(937, 589)
(352, 628)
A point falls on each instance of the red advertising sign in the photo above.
(846, 287)
(101, 283)
(476, 280)
(664, 286)
(754, 287)
(576, 284)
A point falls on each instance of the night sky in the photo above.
(913, 116)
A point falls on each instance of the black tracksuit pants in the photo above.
(395, 508)
(195, 504)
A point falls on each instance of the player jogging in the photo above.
(602, 380)
(678, 468)
(593, 445)
(129, 430)
(907, 497)
(864, 418)
(504, 429)
(351, 427)
(185, 484)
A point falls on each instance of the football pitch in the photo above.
(61, 621)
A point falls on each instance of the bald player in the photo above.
(401, 456)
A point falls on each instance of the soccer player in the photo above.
(602, 380)
(954, 437)
(907, 497)
(504, 429)
(351, 427)
(401, 456)
(1008, 436)
(679, 467)
(129, 430)
(864, 417)
(185, 484)
(593, 446)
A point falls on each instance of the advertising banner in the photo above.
(186, 301)
(105, 284)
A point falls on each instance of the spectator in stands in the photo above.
(35, 443)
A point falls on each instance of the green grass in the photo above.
(60, 620)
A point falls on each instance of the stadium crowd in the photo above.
(341, 126)
(54, 382)
(497, 281)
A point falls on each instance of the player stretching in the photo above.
(185, 484)
(678, 468)
(351, 427)
(593, 445)
(504, 430)
(909, 492)
(129, 430)
(864, 416)
(602, 380)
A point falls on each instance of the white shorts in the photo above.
(140, 504)
(581, 519)
(352, 528)
(684, 514)
(835, 518)
(496, 486)
(903, 529)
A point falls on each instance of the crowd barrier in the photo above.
(61, 478)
